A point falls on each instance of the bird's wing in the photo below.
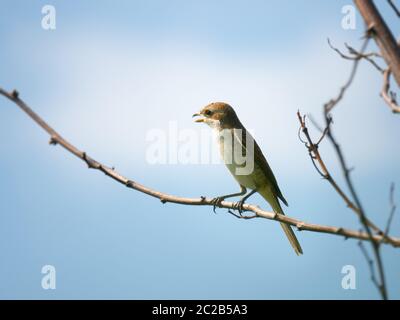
(262, 162)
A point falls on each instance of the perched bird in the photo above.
(245, 161)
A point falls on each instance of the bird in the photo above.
(254, 173)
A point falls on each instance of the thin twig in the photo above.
(388, 96)
(56, 138)
(366, 223)
(370, 263)
(356, 203)
(395, 9)
(322, 168)
(334, 101)
(392, 209)
(356, 55)
(390, 51)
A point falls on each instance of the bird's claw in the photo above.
(239, 216)
(239, 207)
(216, 202)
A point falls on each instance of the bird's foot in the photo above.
(216, 202)
(239, 206)
(239, 216)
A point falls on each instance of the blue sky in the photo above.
(112, 72)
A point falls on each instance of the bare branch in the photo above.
(395, 9)
(390, 51)
(355, 55)
(370, 263)
(322, 168)
(388, 96)
(334, 101)
(366, 223)
(392, 209)
(382, 35)
(56, 138)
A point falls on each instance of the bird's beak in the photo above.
(198, 115)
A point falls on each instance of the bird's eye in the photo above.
(208, 112)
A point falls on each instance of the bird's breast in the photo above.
(235, 157)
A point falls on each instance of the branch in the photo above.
(363, 217)
(322, 169)
(56, 138)
(382, 35)
(393, 208)
(389, 96)
(371, 265)
(334, 101)
(390, 51)
(395, 9)
(355, 55)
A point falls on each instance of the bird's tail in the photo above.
(274, 202)
(292, 238)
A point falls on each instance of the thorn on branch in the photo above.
(370, 32)
(15, 94)
(300, 226)
(53, 141)
(86, 159)
(130, 184)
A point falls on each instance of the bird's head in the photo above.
(218, 115)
